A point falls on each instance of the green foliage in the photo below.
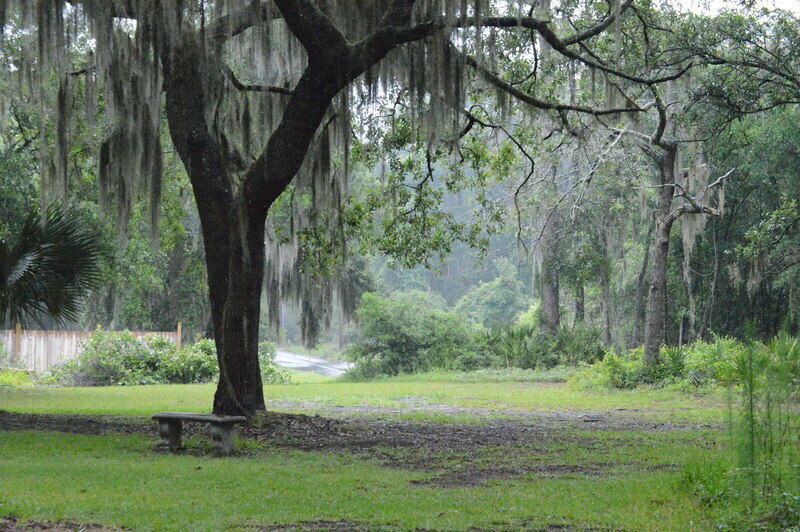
(698, 364)
(758, 485)
(15, 378)
(270, 372)
(48, 268)
(17, 192)
(194, 363)
(614, 371)
(524, 347)
(495, 303)
(404, 334)
(712, 362)
(111, 358)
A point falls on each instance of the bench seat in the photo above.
(170, 426)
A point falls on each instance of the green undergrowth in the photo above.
(15, 378)
(119, 481)
(487, 375)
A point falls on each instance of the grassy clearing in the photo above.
(392, 394)
(120, 481)
(565, 474)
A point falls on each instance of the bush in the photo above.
(698, 364)
(15, 378)
(110, 358)
(712, 362)
(620, 371)
(521, 346)
(118, 358)
(403, 334)
(270, 372)
(195, 363)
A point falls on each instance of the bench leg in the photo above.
(170, 432)
(222, 439)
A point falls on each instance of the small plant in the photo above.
(512, 344)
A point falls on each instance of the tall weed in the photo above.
(761, 487)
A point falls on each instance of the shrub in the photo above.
(621, 371)
(110, 358)
(521, 346)
(698, 364)
(270, 372)
(403, 334)
(15, 378)
(712, 362)
(118, 358)
(195, 363)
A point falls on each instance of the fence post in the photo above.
(16, 355)
(180, 335)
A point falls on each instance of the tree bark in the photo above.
(233, 236)
(605, 296)
(639, 310)
(548, 278)
(580, 302)
(657, 296)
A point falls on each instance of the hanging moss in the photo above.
(122, 69)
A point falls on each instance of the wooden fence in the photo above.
(41, 350)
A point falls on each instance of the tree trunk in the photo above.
(580, 302)
(657, 297)
(548, 278)
(639, 309)
(240, 390)
(233, 238)
(605, 296)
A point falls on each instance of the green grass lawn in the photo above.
(304, 395)
(617, 479)
(120, 481)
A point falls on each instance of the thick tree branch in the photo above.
(696, 205)
(393, 30)
(256, 88)
(241, 20)
(312, 28)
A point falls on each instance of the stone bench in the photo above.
(170, 426)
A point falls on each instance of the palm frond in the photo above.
(50, 267)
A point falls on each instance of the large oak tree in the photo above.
(251, 90)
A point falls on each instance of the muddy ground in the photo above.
(415, 445)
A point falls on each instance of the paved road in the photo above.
(320, 366)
